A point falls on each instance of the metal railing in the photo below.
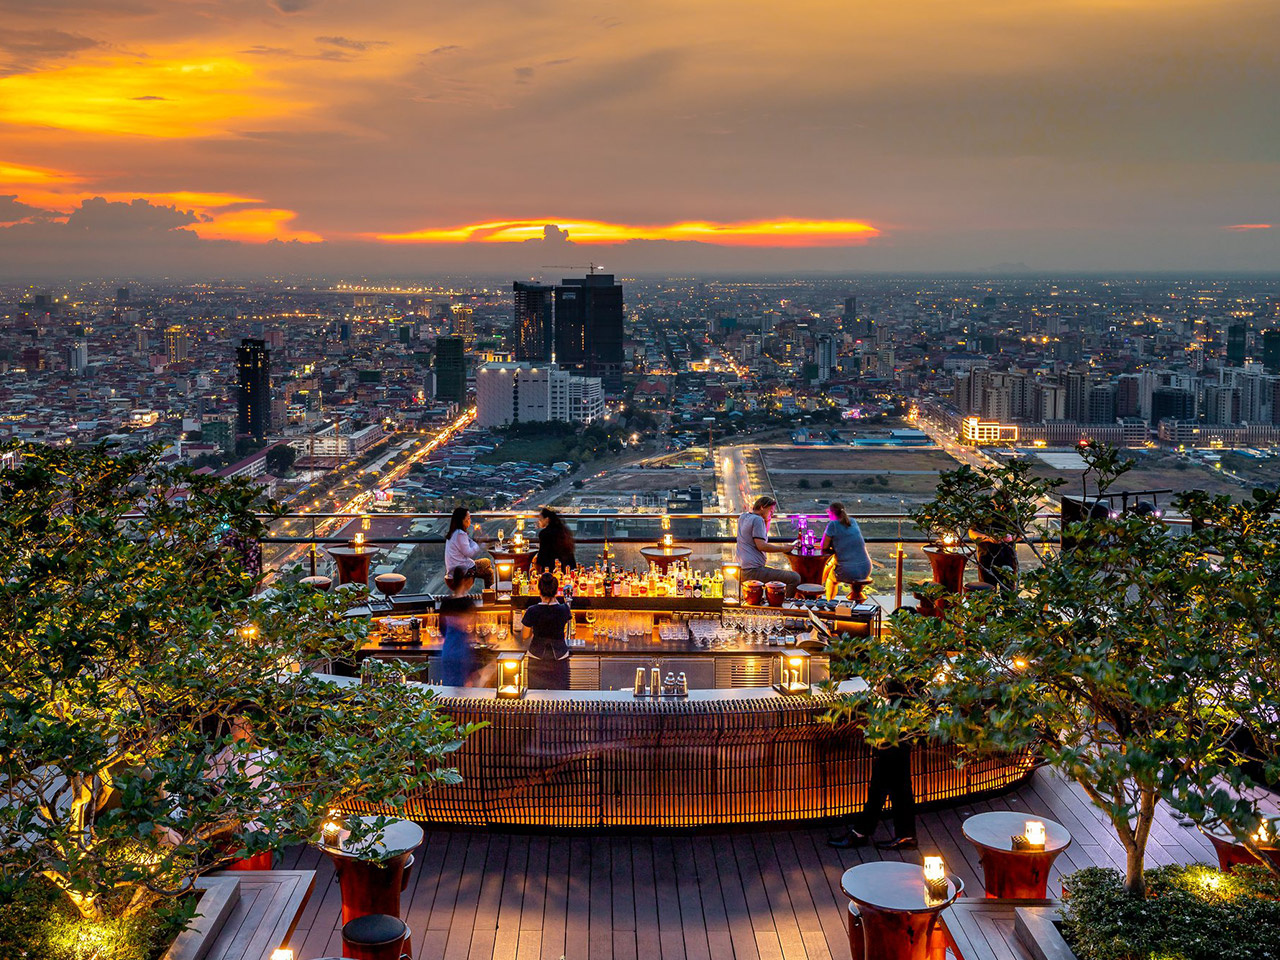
(412, 544)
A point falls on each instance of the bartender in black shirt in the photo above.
(544, 627)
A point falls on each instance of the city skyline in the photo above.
(299, 137)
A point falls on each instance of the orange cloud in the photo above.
(1248, 226)
(253, 225)
(752, 233)
(164, 96)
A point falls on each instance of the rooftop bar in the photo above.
(681, 712)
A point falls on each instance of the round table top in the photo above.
(510, 553)
(793, 552)
(398, 836)
(996, 830)
(661, 551)
(893, 886)
(367, 549)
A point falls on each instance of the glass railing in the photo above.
(413, 544)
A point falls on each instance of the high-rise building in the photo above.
(122, 295)
(464, 324)
(533, 328)
(1237, 333)
(534, 393)
(1271, 350)
(825, 350)
(175, 343)
(589, 327)
(451, 369)
(142, 339)
(253, 363)
(77, 357)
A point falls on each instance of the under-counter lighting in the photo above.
(284, 953)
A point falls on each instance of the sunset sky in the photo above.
(184, 136)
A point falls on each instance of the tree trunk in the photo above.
(1135, 881)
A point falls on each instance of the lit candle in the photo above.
(331, 832)
(1034, 831)
(935, 871)
(666, 539)
(359, 540)
(1263, 835)
(284, 953)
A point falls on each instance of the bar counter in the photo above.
(605, 760)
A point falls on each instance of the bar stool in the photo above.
(376, 936)
(318, 583)
(389, 584)
(810, 591)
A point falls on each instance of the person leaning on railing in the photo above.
(753, 544)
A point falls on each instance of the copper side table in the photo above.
(663, 557)
(371, 872)
(353, 563)
(1232, 853)
(1008, 873)
(899, 918)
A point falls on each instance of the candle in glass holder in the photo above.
(935, 876)
(1034, 831)
(359, 540)
(283, 953)
(330, 832)
(666, 539)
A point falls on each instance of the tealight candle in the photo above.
(331, 832)
(1034, 831)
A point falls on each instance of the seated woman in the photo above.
(544, 625)
(555, 542)
(458, 663)
(461, 549)
(850, 563)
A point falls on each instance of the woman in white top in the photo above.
(460, 550)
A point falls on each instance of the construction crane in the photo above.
(591, 267)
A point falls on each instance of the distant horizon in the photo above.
(297, 137)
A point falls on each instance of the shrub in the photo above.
(1191, 912)
(827, 484)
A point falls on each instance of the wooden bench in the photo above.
(983, 929)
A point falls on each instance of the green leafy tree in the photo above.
(156, 713)
(1131, 662)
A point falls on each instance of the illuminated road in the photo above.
(741, 477)
(361, 501)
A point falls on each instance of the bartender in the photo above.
(544, 627)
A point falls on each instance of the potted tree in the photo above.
(1132, 661)
(986, 513)
(155, 702)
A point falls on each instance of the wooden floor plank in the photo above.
(556, 899)
(645, 902)
(759, 894)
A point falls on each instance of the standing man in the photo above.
(753, 544)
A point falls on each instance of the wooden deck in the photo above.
(757, 895)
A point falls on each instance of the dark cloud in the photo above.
(150, 96)
(447, 48)
(11, 211)
(292, 6)
(138, 216)
(24, 50)
(523, 74)
(346, 43)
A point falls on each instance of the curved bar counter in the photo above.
(603, 759)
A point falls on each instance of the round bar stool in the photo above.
(810, 591)
(375, 936)
(858, 590)
(318, 583)
(389, 584)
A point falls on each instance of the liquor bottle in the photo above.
(697, 587)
